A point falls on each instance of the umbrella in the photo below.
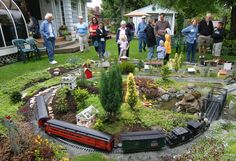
(136, 14)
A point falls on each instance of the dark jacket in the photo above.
(205, 29)
(218, 35)
(151, 38)
(127, 33)
(100, 34)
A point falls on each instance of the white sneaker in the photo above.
(53, 62)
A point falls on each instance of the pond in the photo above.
(169, 105)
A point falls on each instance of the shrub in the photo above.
(111, 95)
(176, 62)
(15, 97)
(165, 72)
(81, 95)
(126, 68)
(61, 103)
(82, 82)
(132, 94)
(140, 65)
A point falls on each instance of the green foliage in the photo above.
(111, 95)
(131, 94)
(166, 83)
(140, 65)
(126, 67)
(99, 125)
(165, 72)
(82, 82)
(15, 97)
(92, 157)
(176, 62)
(81, 95)
(61, 104)
(165, 119)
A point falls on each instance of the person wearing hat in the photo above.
(81, 34)
(123, 30)
(142, 38)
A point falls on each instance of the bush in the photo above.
(15, 97)
(165, 72)
(126, 68)
(111, 95)
(81, 95)
(82, 82)
(132, 94)
(61, 103)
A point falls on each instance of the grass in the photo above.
(92, 157)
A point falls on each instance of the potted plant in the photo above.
(67, 35)
(62, 29)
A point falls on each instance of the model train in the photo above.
(131, 142)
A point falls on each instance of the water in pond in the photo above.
(169, 105)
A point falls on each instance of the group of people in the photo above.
(155, 32)
(202, 34)
(151, 34)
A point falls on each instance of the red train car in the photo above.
(80, 134)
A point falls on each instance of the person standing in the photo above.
(130, 25)
(92, 30)
(101, 37)
(218, 36)
(82, 33)
(123, 30)
(205, 29)
(161, 27)
(191, 37)
(141, 34)
(151, 39)
(48, 34)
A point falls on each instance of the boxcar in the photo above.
(142, 141)
(41, 111)
(178, 135)
(80, 134)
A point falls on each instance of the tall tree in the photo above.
(117, 8)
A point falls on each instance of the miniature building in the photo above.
(69, 81)
(87, 116)
(88, 73)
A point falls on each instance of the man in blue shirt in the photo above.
(82, 34)
(191, 37)
(141, 34)
(48, 34)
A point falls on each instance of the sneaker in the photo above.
(53, 62)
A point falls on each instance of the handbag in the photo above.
(95, 43)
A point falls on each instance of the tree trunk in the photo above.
(233, 19)
(122, 10)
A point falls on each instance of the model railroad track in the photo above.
(91, 140)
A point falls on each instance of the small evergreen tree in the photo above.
(165, 72)
(181, 60)
(81, 95)
(176, 62)
(132, 94)
(111, 95)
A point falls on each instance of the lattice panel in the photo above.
(6, 59)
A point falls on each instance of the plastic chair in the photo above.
(22, 51)
(37, 50)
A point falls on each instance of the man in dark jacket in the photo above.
(205, 29)
(217, 36)
(151, 38)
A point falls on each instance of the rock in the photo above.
(172, 90)
(161, 91)
(196, 94)
(179, 95)
(165, 97)
(189, 97)
(56, 72)
(191, 86)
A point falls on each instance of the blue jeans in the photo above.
(191, 50)
(150, 52)
(49, 43)
(102, 48)
(159, 38)
(142, 42)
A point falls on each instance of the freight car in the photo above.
(143, 141)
